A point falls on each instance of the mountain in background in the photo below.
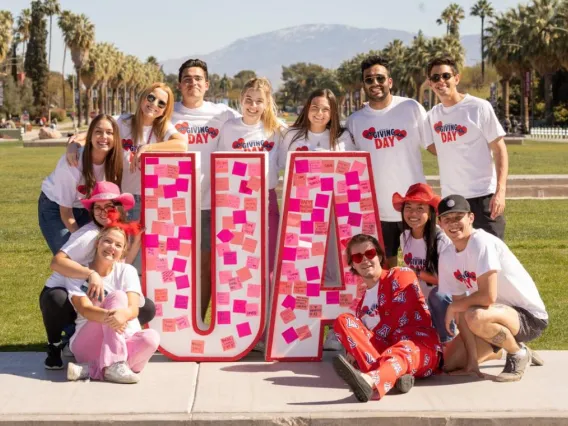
(326, 45)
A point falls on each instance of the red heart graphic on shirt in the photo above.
(268, 146)
(369, 133)
(462, 130)
(182, 127)
(127, 144)
(438, 127)
(81, 189)
(239, 144)
(302, 148)
(408, 258)
(458, 275)
(213, 132)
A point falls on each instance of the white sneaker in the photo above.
(66, 352)
(77, 371)
(120, 372)
(331, 343)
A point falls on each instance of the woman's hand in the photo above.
(469, 370)
(117, 319)
(72, 152)
(135, 163)
(451, 315)
(96, 289)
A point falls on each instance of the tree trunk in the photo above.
(89, 101)
(123, 106)
(49, 57)
(505, 88)
(548, 116)
(526, 109)
(63, 76)
(79, 97)
(482, 54)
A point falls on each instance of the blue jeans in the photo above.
(51, 225)
(134, 214)
(438, 304)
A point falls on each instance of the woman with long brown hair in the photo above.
(60, 211)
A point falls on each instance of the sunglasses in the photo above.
(103, 211)
(378, 78)
(437, 77)
(358, 257)
(151, 98)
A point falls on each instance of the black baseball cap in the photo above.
(453, 204)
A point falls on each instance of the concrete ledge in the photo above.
(38, 143)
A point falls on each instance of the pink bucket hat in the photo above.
(108, 191)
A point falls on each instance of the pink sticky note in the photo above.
(254, 183)
(239, 168)
(353, 195)
(313, 290)
(168, 229)
(185, 232)
(235, 284)
(253, 169)
(365, 186)
(239, 306)
(228, 343)
(318, 215)
(179, 265)
(253, 290)
(252, 309)
(289, 302)
(184, 167)
(223, 317)
(354, 219)
(151, 240)
(170, 191)
(225, 276)
(169, 325)
(306, 227)
(342, 209)
(312, 273)
(289, 253)
(180, 219)
(244, 274)
(358, 167)
(326, 184)
(182, 281)
(168, 276)
(302, 192)
(302, 166)
(243, 329)
(152, 160)
(239, 216)
(223, 297)
(182, 322)
(181, 302)
(294, 204)
(225, 235)
(161, 170)
(287, 316)
(230, 258)
(322, 200)
(332, 297)
(352, 178)
(151, 181)
(290, 335)
(244, 189)
(291, 239)
(172, 244)
(173, 171)
(345, 231)
(159, 310)
(182, 185)
(253, 262)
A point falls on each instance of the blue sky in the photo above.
(179, 28)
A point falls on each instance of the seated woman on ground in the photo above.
(72, 262)
(109, 343)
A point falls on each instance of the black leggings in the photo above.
(58, 312)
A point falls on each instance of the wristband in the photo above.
(89, 276)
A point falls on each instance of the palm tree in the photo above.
(105, 70)
(129, 70)
(444, 19)
(64, 23)
(116, 80)
(51, 7)
(348, 75)
(395, 52)
(482, 9)
(23, 27)
(90, 75)
(6, 32)
(417, 57)
(79, 37)
(451, 16)
(448, 46)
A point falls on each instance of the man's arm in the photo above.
(501, 157)
(485, 296)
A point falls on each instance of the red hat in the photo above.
(108, 191)
(418, 193)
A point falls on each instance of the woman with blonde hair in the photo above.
(149, 129)
(258, 130)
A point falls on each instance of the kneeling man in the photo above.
(391, 339)
(495, 301)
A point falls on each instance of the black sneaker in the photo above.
(515, 367)
(404, 383)
(53, 360)
(362, 388)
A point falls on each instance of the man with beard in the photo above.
(391, 128)
(200, 121)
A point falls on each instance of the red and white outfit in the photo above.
(458, 273)
(98, 344)
(462, 134)
(393, 136)
(391, 333)
(238, 136)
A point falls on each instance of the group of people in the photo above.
(406, 322)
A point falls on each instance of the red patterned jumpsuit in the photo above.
(403, 340)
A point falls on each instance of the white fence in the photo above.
(549, 133)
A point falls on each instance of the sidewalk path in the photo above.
(253, 392)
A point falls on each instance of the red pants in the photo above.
(382, 362)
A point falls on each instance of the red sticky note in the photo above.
(304, 332)
(151, 202)
(180, 219)
(314, 311)
(302, 303)
(178, 205)
(250, 204)
(221, 165)
(168, 325)
(160, 295)
(164, 213)
(287, 316)
(244, 274)
(222, 184)
(184, 249)
(250, 245)
(228, 343)
(197, 346)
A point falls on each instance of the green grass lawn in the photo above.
(536, 232)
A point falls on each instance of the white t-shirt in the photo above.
(462, 134)
(202, 126)
(414, 253)
(238, 136)
(131, 181)
(80, 247)
(315, 142)
(61, 185)
(370, 308)
(484, 252)
(122, 277)
(393, 136)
